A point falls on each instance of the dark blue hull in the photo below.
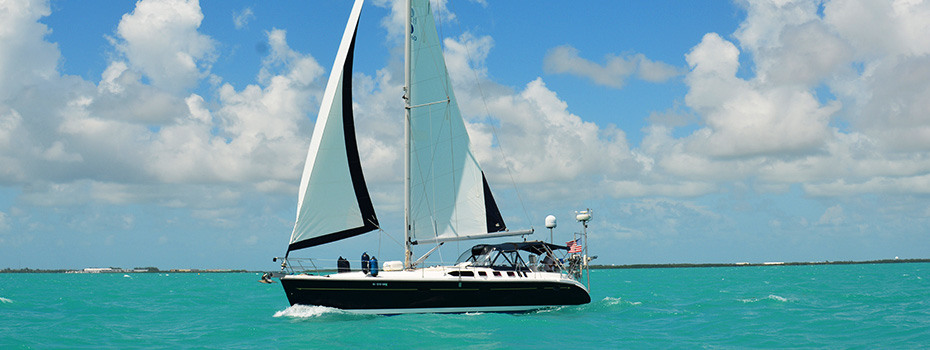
(398, 296)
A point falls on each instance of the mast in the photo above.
(407, 30)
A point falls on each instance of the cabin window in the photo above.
(510, 274)
(497, 274)
(482, 274)
(462, 273)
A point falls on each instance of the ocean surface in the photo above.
(826, 306)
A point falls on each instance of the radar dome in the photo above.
(550, 221)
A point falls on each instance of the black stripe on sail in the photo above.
(330, 237)
(355, 164)
(365, 207)
(494, 218)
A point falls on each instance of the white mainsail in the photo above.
(448, 195)
(333, 202)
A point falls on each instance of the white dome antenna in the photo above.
(584, 216)
(551, 224)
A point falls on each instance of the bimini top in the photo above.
(534, 247)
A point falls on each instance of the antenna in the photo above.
(583, 217)
(551, 224)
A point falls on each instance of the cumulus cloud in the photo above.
(823, 101)
(897, 107)
(614, 73)
(256, 133)
(137, 126)
(25, 58)
(161, 39)
(543, 141)
(241, 19)
(748, 117)
(395, 22)
(832, 216)
(826, 101)
(894, 27)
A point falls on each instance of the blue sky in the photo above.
(173, 133)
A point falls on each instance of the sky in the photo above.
(172, 133)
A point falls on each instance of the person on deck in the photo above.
(549, 262)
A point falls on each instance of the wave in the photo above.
(550, 309)
(608, 303)
(771, 297)
(611, 301)
(5, 300)
(307, 311)
(319, 313)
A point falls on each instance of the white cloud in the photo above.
(898, 103)
(301, 70)
(73, 141)
(805, 54)
(4, 223)
(639, 188)
(241, 19)
(395, 22)
(255, 134)
(867, 134)
(121, 95)
(880, 28)
(545, 141)
(907, 185)
(25, 57)
(832, 216)
(834, 100)
(766, 19)
(614, 73)
(542, 140)
(161, 39)
(746, 118)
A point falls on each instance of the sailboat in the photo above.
(447, 198)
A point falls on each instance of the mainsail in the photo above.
(333, 202)
(449, 198)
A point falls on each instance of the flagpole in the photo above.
(583, 217)
(587, 268)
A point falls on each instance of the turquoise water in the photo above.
(836, 306)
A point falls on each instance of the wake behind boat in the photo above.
(447, 198)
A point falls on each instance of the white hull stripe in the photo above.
(447, 310)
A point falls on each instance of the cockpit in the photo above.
(506, 256)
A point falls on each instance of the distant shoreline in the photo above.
(744, 264)
(596, 267)
(94, 270)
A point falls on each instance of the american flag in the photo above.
(573, 246)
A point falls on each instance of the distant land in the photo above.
(119, 270)
(633, 266)
(741, 264)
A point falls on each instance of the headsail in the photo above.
(449, 195)
(333, 202)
